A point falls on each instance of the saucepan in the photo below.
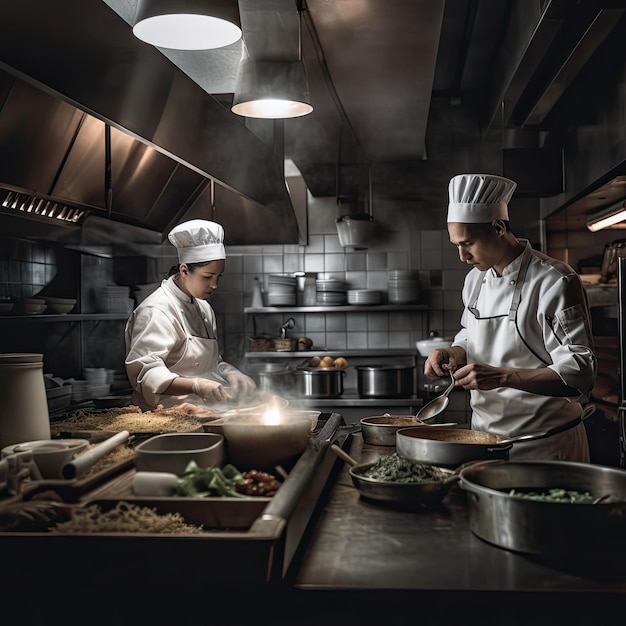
(380, 430)
(451, 447)
(399, 495)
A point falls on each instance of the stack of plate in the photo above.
(281, 290)
(330, 291)
(143, 291)
(116, 299)
(364, 296)
(80, 390)
(404, 286)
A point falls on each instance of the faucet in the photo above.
(290, 323)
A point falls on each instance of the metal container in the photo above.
(385, 381)
(274, 378)
(321, 382)
(541, 527)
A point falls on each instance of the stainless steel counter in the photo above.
(430, 561)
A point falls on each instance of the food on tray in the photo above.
(225, 482)
(397, 469)
(34, 515)
(184, 417)
(569, 496)
(125, 518)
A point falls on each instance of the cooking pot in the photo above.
(541, 527)
(320, 382)
(451, 447)
(380, 430)
(385, 381)
(272, 377)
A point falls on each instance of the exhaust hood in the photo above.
(121, 134)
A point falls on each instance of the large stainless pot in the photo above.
(385, 381)
(541, 527)
(272, 377)
(321, 382)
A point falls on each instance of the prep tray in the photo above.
(260, 554)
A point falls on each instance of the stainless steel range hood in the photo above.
(120, 133)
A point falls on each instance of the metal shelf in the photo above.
(67, 317)
(347, 308)
(367, 353)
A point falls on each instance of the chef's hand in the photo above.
(209, 390)
(240, 383)
(443, 360)
(480, 376)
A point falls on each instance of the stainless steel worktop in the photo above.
(380, 555)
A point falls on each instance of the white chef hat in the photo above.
(198, 241)
(479, 198)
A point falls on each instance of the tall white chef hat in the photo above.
(479, 198)
(198, 241)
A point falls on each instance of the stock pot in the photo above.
(540, 527)
(385, 381)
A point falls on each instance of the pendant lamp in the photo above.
(187, 24)
(271, 89)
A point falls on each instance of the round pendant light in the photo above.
(186, 24)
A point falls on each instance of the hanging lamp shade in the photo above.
(187, 24)
(271, 89)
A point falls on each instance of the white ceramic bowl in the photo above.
(50, 455)
(60, 305)
(262, 440)
(172, 452)
(426, 346)
(33, 306)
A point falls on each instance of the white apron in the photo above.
(199, 359)
(494, 338)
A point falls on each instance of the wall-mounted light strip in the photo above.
(607, 218)
(41, 207)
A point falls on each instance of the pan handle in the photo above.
(342, 454)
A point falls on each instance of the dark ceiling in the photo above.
(393, 83)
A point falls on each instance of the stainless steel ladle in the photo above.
(438, 405)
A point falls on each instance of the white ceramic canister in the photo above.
(23, 403)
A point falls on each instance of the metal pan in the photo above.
(451, 447)
(380, 430)
(404, 496)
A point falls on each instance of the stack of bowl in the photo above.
(33, 306)
(59, 306)
(330, 291)
(281, 290)
(404, 286)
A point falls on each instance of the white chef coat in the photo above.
(534, 315)
(171, 334)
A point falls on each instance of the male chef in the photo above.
(525, 348)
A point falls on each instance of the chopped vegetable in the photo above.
(209, 481)
(397, 469)
(555, 495)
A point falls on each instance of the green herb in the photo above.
(397, 469)
(209, 481)
(555, 495)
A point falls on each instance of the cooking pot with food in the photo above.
(518, 506)
(451, 447)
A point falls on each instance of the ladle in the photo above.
(438, 405)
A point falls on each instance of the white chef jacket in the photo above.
(171, 334)
(550, 328)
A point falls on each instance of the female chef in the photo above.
(172, 353)
(525, 348)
